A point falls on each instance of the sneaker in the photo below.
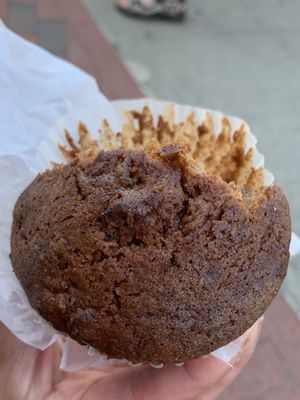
(151, 8)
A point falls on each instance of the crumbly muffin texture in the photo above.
(223, 154)
(145, 256)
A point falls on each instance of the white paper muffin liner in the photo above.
(16, 172)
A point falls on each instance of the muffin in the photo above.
(157, 244)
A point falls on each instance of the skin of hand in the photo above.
(30, 374)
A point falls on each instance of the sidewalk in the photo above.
(65, 28)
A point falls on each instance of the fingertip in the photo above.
(207, 369)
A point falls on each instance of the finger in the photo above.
(204, 377)
(26, 372)
(170, 382)
(238, 362)
(14, 361)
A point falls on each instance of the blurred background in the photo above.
(241, 57)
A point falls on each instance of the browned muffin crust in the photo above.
(146, 259)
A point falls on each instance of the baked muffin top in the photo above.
(144, 255)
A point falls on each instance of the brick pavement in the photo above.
(273, 373)
(65, 28)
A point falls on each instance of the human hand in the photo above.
(30, 374)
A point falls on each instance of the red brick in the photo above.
(113, 78)
(116, 82)
(78, 14)
(283, 327)
(3, 9)
(284, 392)
(79, 56)
(31, 38)
(22, 18)
(26, 1)
(76, 52)
(87, 32)
(262, 373)
(281, 335)
(48, 9)
(51, 35)
(115, 85)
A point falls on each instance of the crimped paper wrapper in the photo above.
(48, 149)
(29, 144)
(17, 173)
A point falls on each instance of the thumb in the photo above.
(205, 378)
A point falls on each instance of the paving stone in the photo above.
(24, 1)
(255, 381)
(3, 8)
(51, 35)
(282, 392)
(276, 361)
(48, 9)
(79, 55)
(282, 328)
(23, 18)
